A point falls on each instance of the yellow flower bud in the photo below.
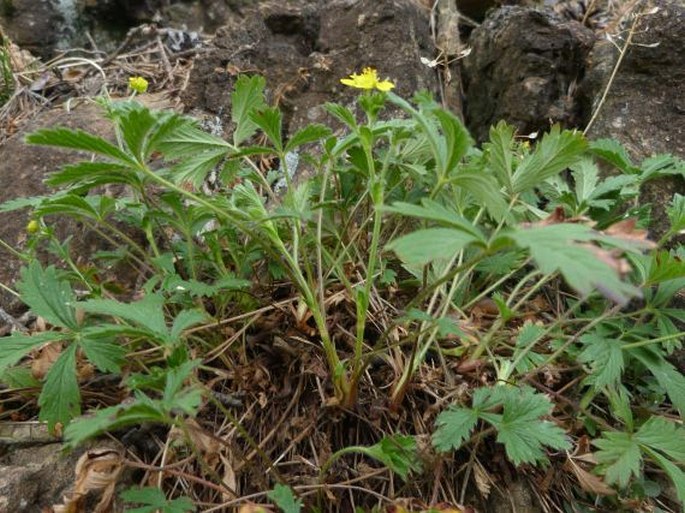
(33, 226)
(138, 84)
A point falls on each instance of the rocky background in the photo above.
(614, 69)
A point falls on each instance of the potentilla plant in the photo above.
(408, 204)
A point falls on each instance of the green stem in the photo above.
(659, 340)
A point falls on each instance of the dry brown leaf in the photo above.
(45, 357)
(229, 478)
(483, 480)
(96, 470)
(589, 482)
(253, 508)
(627, 230)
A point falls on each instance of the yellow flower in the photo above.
(138, 84)
(33, 226)
(367, 80)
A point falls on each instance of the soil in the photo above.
(530, 66)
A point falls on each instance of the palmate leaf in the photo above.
(106, 354)
(48, 296)
(424, 246)
(484, 189)
(309, 134)
(188, 139)
(676, 213)
(194, 169)
(620, 454)
(79, 140)
(247, 97)
(18, 345)
(499, 154)
(555, 152)
(269, 120)
(434, 211)
(520, 427)
(60, 398)
(614, 153)
(453, 427)
(398, 453)
(558, 247)
(619, 457)
(606, 358)
(284, 498)
(154, 500)
(147, 313)
(669, 378)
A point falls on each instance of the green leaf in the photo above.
(398, 453)
(142, 410)
(194, 169)
(184, 320)
(484, 189)
(676, 213)
(60, 398)
(154, 500)
(48, 296)
(342, 114)
(147, 312)
(91, 172)
(666, 374)
(619, 457)
(106, 355)
(247, 97)
(605, 356)
(556, 248)
(269, 120)
(284, 498)
(672, 471)
(79, 140)
(664, 436)
(500, 155)
(309, 134)
(555, 152)
(521, 430)
(453, 427)
(434, 211)
(188, 140)
(456, 139)
(19, 203)
(17, 345)
(424, 246)
(611, 151)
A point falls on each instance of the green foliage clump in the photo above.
(408, 204)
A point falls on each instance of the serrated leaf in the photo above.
(556, 248)
(453, 427)
(676, 213)
(154, 500)
(18, 345)
(619, 457)
(188, 139)
(431, 210)
(484, 189)
(456, 139)
(107, 355)
(147, 312)
(309, 134)
(613, 152)
(398, 453)
(676, 475)
(424, 246)
(194, 169)
(669, 378)
(60, 398)
(269, 120)
(556, 151)
(48, 296)
(247, 97)
(19, 203)
(665, 436)
(342, 114)
(605, 356)
(184, 320)
(284, 498)
(500, 155)
(79, 140)
(520, 427)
